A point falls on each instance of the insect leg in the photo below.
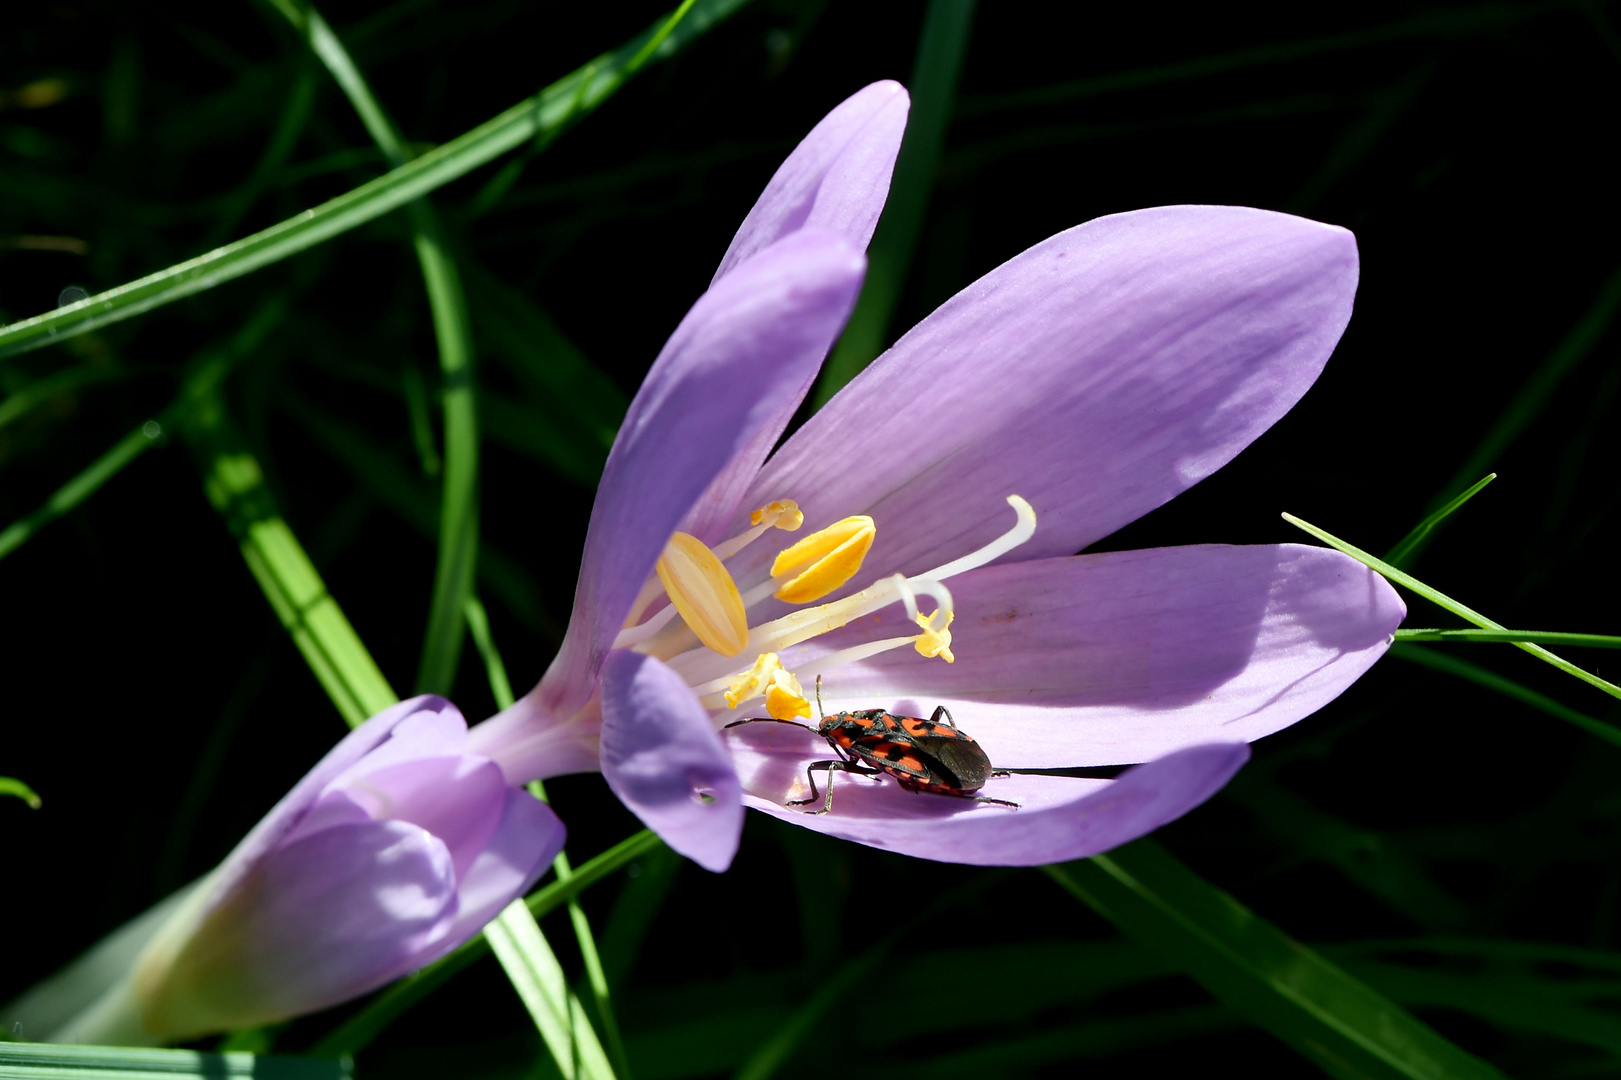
(827, 767)
(939, 711)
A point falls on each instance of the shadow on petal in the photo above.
(662, 757)
(1058, 818)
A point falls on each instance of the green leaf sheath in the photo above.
(1446, 602)
(933, 87)
(48, 1062)
(545, 115)
(1339, 1023)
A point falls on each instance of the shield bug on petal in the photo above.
(932, 755)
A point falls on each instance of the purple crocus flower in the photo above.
(1084, 382)
(397, 847)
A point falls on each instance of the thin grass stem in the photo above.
(1442, 600)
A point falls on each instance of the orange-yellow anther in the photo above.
(704, 594)
(784, 697)
(784, 514)
(824, 560)
(935, 642)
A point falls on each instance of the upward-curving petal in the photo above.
(747, 346)
(1097, 374)
(836, 179)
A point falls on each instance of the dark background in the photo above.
(157, 707)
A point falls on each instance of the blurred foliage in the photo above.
(1436, 833)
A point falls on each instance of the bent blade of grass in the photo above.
(544, 115)
(1409, 544)
(10, 785)
(1443, 601)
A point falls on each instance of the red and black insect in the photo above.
(932, 755)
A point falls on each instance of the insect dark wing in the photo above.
(959, 758)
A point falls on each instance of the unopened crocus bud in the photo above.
(392, 851)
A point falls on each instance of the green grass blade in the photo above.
(458, 512)
(495, 669)
(10, 785)
(407, 497)
(479, 626)
(235, 486)
(1540, 637)
(1463, 669)
(206, 374)
(933, 88)
(1443, 601)
(571, 410)
(81, 487)
(24, 400)
(1378, 864)
(1409, 544)
(538, 978)
(1527, 402)
(360, 1029)
(1337, 1022)
(545, 115)
(42, 1061)
(1523, 1003)
(458, 508)
(1441, 23)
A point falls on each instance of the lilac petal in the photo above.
(1058, 818)
(662, 757)
(836, 179)
(531, 742)
(1097, 374)
(314, 923)
(423, 734)
(287, 813)
(1124, 656)
(529, 838)
(747, 346)
(461, 800)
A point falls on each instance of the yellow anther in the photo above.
(704, 594)
(784, 697)
(784, 514)
(935, 642)
(824, 560)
